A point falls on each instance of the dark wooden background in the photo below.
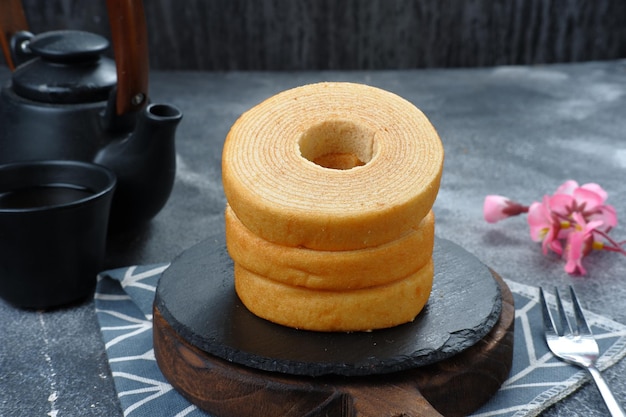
(358, 34)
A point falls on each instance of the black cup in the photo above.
(53, 226)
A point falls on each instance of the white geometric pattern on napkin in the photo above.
(124, 308)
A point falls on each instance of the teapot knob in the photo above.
(68, 46)
(66, 68)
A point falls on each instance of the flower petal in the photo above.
(539, 220)
(574, 253)
(561, 204)
(567, 187)
(590, 199)
(596, 189)
(607, 215)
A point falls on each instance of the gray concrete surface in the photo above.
(517, 131)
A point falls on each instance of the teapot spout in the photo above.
(145, 166)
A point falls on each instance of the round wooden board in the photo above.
(455, 386)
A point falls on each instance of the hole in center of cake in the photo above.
(337, 144)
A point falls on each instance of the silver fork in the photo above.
(573, 342)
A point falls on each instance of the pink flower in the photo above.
(579, 244)
(574, 215)
(497, 207)
(552, 220)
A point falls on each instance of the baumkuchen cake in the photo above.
(329, 221)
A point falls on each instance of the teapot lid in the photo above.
(67, 68)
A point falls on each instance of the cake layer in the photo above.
(331, 270)
(322, 310)
(332, 166)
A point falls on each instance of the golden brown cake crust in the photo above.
(356, 310)
(331, 270)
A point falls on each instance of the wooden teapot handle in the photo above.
(130, 46)
(12, 20)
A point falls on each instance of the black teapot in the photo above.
(67, 101)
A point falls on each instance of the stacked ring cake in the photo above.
(329, 220)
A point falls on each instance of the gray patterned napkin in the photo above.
(124, 307)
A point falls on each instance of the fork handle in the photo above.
(614, 407)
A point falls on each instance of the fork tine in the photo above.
(583, 327)
(548, 323)
(565, 324)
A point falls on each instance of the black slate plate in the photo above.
(196, 296)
